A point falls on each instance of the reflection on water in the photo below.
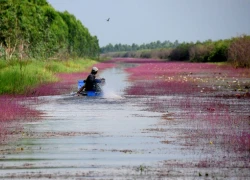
(89, 134)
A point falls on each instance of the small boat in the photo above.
(98, 86)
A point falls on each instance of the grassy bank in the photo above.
(18, 76)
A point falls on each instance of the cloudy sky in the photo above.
(145, 21)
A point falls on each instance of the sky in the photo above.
(145, 21)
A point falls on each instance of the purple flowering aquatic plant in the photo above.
(212, 98)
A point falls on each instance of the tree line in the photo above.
(135, 47)
(34, 29)
(234, 50)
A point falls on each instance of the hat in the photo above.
(95, 69)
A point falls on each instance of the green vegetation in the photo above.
(18, 76)
(36, 42)
(235, 51)
(239, 53)
(34, 29)
(135, 47)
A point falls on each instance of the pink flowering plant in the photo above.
(212, 99)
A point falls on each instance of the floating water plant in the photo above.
(212, 98)
(11, 110)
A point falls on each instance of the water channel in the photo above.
(90, 137)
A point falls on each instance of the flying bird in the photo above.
(108, 19)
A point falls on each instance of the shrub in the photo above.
(239, 53)
(146, 54)
(219, 53)
(164, 53)
(180, 53)
(199, 53)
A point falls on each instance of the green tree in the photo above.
(34, 29)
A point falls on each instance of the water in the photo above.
(80, 135)
(119, 137)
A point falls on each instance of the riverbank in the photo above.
(19, 77)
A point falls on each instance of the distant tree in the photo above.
(176, 43)
(134, 47)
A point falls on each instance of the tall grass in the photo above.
(19, 76)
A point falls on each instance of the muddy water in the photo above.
(90, 137)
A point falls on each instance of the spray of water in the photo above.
(111, 92)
